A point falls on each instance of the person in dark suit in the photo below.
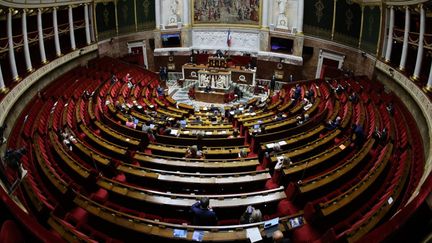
(202, 213)
(273, 83)
(358, 135)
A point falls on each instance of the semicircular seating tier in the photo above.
(124, 172)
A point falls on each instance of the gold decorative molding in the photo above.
(4, 90)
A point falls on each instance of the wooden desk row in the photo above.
(292, 141)
(317, 159)
(186, 200)
(332, 175)
(174, 177)
(119, 138)
(331, 206)
(165, 230)
(180, 151)
(205, 141)
(45, 165)
(307, 148)
(75, 166)
(394, 192)
(108, 147)
(201, 165)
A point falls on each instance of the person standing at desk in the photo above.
(202, 214)
(273, 83)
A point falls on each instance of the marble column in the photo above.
(186, 15)
(405, 40)
(3, 88)
(11, 46)
(390, 36)
(361, 26)
(41, 37)
(87, 23)
(428, 85)
(157, 13)
(71, 29)
(300, 16)
(56, 33)
(384, 43)
(92, 26)
(265, 13)
(419, 59)
(25, 42)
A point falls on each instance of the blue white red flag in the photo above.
(229, 38)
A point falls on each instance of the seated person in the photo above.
(160, 91)
(282, 162)
(182, 123)
(193, 152)
(127, 78)
(278, 237)
(389, 108)
(302, 119)
(353, 98)
(251, 215)
(235, 133)
(358, 135)
(202, 214)
(207, 89)
(306, 104)
(297, 92)
(243, 153)
(339, 88)
(334, 124)
(310, 94)
(380, 137)
(130, 123)
(146, 127)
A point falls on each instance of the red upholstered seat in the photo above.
(10, 233)
(100, 196)
(175, 221)
(270, 184)
(228, 222)
(120, 177)
(77, 216)
(285, 207)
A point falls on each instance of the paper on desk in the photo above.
(198, 235)
(208, 133)
(270, 145)
(180, 233)
(253, 234)
(174, 132)
(281, 143)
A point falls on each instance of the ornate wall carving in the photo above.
(217, 39)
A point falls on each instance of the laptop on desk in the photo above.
(270, 226)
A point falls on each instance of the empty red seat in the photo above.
(77, 216)
(10, 233)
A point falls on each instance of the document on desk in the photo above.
(198, 235)
(253, 234)
(282, 143)
(270, 145)
(180, 233)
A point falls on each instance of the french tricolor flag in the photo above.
(229, 38)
